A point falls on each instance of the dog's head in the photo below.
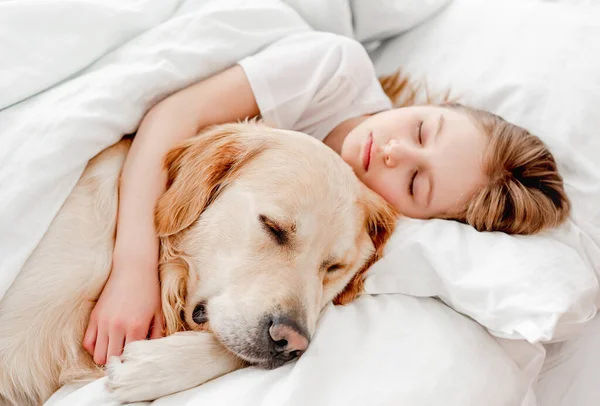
(261, 228)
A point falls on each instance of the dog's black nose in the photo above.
(287, 339)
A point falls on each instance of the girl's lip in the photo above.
(367, 152)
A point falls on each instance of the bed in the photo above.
(450, 316)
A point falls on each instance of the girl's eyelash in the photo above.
(414, 175)
(411, 183)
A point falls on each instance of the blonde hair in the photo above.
(525, 192)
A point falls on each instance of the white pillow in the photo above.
(332, 15)
(518, 287)
(538, 65)
(366, 21)
(376, 20)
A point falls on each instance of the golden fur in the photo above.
(214, 248)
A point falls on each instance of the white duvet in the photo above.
(77, 75)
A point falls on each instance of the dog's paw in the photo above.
(148, 370)
(136, 376)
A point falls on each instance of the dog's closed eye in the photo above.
(332, 266)
(280, 234)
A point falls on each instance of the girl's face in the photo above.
(426, 161)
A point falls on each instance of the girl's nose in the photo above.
(396, 152)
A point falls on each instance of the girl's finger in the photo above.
(116, 342)
(101, 348)
(89, 339)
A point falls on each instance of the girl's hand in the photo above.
(129, 309)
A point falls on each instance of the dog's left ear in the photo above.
(380, 222)
(198, 169)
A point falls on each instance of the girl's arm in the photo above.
(129, 307)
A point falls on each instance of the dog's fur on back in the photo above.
(256, 223)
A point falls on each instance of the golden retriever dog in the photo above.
(260, 228)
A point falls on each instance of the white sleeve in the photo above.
(312, 81)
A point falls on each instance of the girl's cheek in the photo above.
(389, 190)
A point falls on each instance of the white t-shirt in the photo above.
(312, 81)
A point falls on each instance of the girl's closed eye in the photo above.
(411, 183)
(420, 133)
